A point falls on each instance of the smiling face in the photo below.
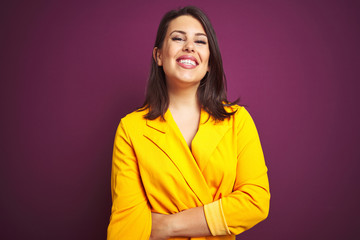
(185, 53)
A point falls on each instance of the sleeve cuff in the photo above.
(215, 218)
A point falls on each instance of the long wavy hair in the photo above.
(211, 92)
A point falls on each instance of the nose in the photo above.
(189, 46)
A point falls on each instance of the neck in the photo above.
(183, 97)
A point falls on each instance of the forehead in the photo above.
(187, 24)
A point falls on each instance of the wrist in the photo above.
(173, 225)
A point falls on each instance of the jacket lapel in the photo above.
(166, 136)
(207, 138)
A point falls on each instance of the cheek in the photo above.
(205, 54)
(168, 56)
(172, 49)
(206, 61)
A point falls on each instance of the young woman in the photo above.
(189, 163)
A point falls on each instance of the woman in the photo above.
(188, 164)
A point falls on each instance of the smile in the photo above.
(187, 61)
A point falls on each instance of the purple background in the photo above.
(71, 69)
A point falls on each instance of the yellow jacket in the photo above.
(154, 170)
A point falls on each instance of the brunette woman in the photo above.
(188, 164)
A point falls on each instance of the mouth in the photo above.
(187, 61)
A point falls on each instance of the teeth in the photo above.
(187, 62)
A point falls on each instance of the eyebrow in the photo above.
(182, 32)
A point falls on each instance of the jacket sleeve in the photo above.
(248, 204)
(130, 214)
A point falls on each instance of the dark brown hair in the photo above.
(211, 92)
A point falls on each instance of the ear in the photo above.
(157, 56)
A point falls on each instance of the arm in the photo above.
(130, 214)
(248, 204)
(188, 223)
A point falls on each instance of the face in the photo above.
(185, 53)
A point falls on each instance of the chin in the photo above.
(190, 80)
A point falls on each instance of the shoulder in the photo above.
(133, 120)
(135, 117)
(240, 112)
(241, 120)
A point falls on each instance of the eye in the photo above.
(200, 42)
(177, 39)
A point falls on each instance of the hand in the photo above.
(160, 229)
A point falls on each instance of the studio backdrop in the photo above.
(70, 70)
